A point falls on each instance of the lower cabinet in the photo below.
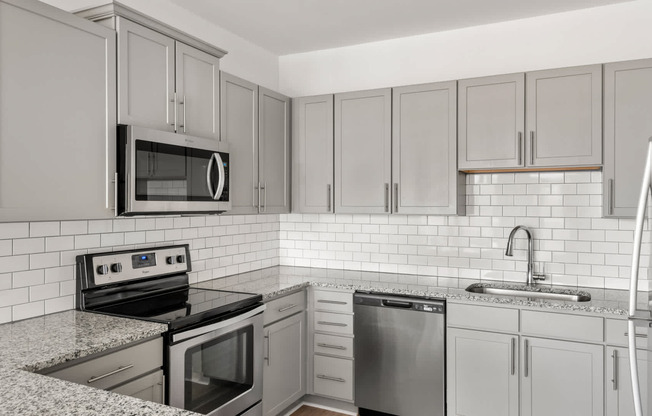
(618, 389)
(284, 368)
(482, 373)
(561, 378)
(149, 387)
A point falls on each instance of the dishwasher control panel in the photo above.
(400, 302)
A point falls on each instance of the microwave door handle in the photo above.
(221, 180)
(209, 173)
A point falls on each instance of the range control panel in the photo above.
(117, 267)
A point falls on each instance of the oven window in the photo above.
(172, 173)
(219, 370)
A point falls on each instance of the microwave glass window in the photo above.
(218, 371)
(172, 173)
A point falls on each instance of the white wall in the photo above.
(244, 59)
(598, 35)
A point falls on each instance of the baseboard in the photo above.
(324, 403)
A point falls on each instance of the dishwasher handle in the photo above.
(397, 304)
(412, 303)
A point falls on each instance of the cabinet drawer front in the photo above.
(149, 387)
(333, 345)
(556, 325)
(483, 317)
(333, 301)
(333, 377)
(280, 308)
(616, 333)
(117, 367)
(334, 322)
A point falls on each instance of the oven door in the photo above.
(217, 369)
(171, 173)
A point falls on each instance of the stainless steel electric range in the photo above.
(214, 343)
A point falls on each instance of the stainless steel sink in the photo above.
(535, 292)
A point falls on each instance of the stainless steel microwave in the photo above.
(168, 173)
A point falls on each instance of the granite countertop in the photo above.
(38, 343)
(280, 280)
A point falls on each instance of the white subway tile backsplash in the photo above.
(74, 227)
(28, 310)
(14, 230)
(29, 245)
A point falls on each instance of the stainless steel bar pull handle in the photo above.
(333, 302)
(611, 197)
(174, 104)
(386, 197)
(637, 335)
(532, 148)
(183, 103)
(526, 357)
(119, 370)
(513, 360)
(520, 148)
(264, 196)
(257, 187)
(266, 358)
(396, 197)
(287, 308)
(329, 201)
(324, 377)
(614, 380)
(331, 323)
(334, 347)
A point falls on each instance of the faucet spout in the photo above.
(530, 261)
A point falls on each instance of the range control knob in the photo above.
(170, 260)
(181, 259)
(116, 267)
(103, 269)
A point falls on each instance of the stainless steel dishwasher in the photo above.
(399, 355)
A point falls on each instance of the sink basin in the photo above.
(535, 292)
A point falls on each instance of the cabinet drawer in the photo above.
(333, 377)
(149, 387)
(333, 345)
(117, 367)
(557, 325)
(616, 333)
(333, 301)
(482, 317)
(285, 306)
(334, 322)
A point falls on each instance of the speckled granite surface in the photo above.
(38, 343)
(280, 280)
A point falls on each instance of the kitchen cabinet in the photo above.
(491, 120)
(255, 123)
(541, 119)
(133, 369)
(424, 150)
(312, 154)
(564, 117)
(363, 151)
(627, 128)
(284, 369)
(561, 377)
(331, 345)
(483, 373)
(618, 388)
(167, 80)
(57, 114)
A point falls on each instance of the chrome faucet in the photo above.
(531, 276)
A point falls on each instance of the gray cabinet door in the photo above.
(627, 128)
(424, 150)
(618, 384)
(561, 378)
(57, 114)
(198, 92)
(239, 126)
(491, 122)
(564, 117)
(363, 151)
(145, 77)
(482, 373)
(284, 371)
(274, 145)
(312, 144)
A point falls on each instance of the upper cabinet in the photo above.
(491, 117)
(564, 117)
(167, 80)
(256, 124)
(312, 154)
(542, 119)
(363, 151)
(57, 114)
(627, 128)
(424, 150)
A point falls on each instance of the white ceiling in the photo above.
(293, 26)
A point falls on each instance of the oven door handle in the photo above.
(216, 326)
